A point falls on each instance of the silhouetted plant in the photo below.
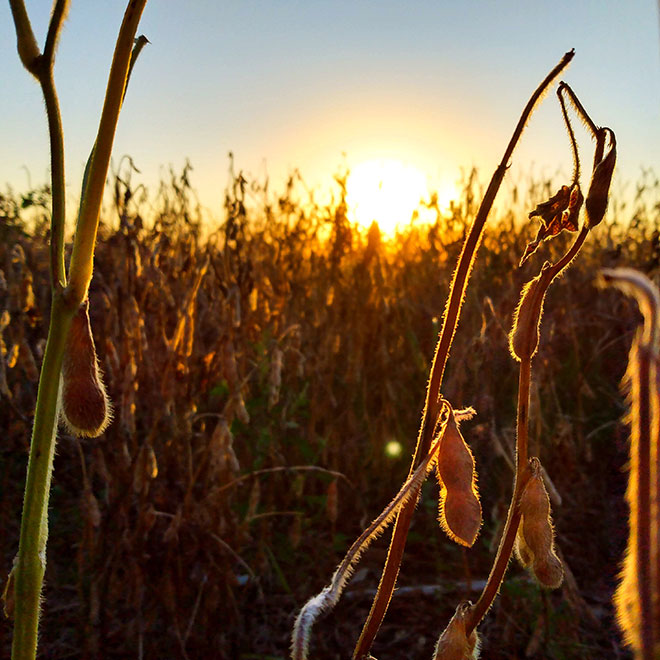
(440, 444)
(636, 599)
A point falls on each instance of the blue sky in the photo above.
(291, 84)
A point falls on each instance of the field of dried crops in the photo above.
(263, 372)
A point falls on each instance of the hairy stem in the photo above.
(432, 405)
(58, 213)
(54, 28)
(641, 432)
(31, 561)
(513, 517)
(56, 136)
(82, 257)
(31, 564)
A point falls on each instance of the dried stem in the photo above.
(569, 128)
(579, 108)
(637, 613)
(513, 517)
(432, 405)
(548, 274)
(330, 595)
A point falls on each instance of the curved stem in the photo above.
(579, 108)
(58, 213)
(571, 133)
(55, 26)
(432, 405)
(28, 50)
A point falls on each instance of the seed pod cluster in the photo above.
(454, 644)
(535, 539)
(85, 406)
(459, 506)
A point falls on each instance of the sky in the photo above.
(316, 85)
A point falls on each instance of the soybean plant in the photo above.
(440, 444)
(636, 599)
(70, 382)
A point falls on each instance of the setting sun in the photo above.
(387, 191)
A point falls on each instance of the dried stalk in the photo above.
(636, 599)
(431, 408)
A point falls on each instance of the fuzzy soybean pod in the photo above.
(535, 540)
(85, 405)
(524, 336)
(459, 506)
(454, 644)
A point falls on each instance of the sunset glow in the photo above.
(387, 191)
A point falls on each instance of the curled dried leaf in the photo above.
(560, 212)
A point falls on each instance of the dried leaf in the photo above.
(560, 212)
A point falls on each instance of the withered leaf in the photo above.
(560, 212)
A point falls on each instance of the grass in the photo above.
(352, 318)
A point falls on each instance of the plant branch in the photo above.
(635, 601)
(26, 44)
(548, 274)
(513, 516)
(31, 563)
(571, 133)
(57, 173)
(82, 258)
(54, 28)
(432, 405)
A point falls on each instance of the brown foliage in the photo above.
(286, 338)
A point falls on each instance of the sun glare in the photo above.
(387, 191)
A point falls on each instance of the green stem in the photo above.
(58, 212)
(31, 561)
(31, 564)
(82, 257)
(56, 136)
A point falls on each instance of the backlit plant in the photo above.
(440, 444)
